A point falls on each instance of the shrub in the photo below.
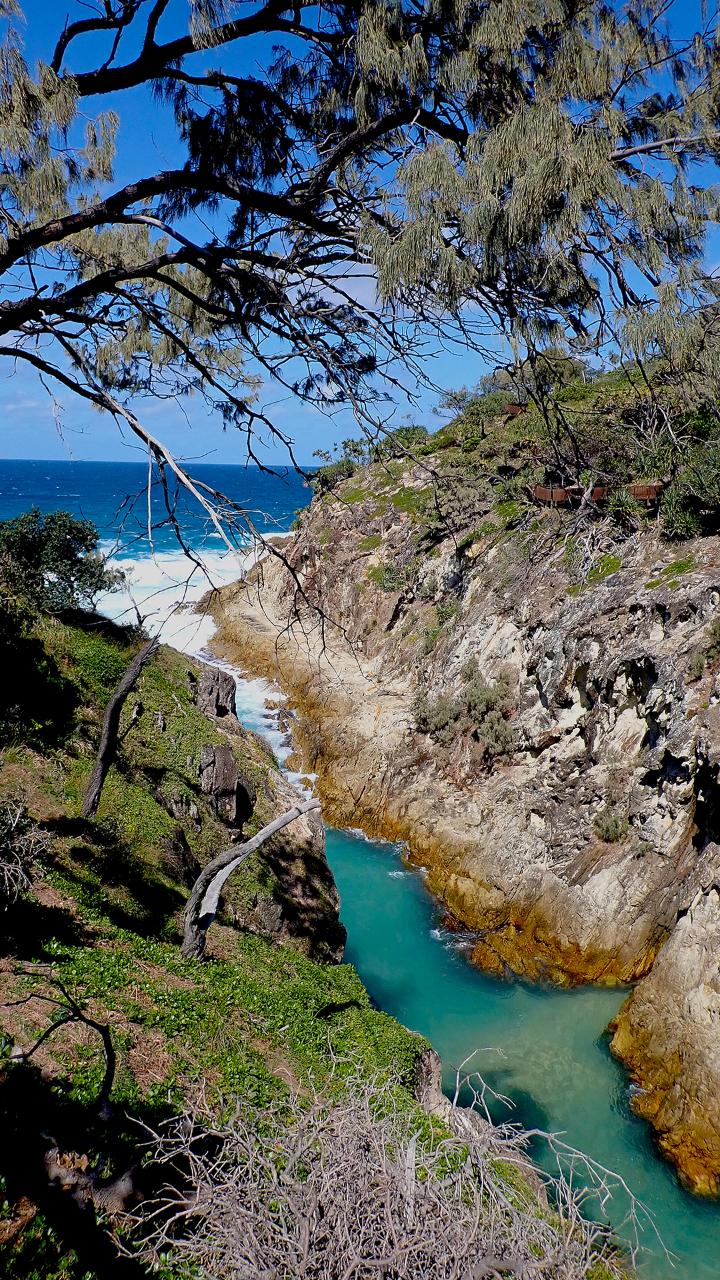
(437, 717)
(327, 478)
(481, 696)
(678, 519)
(21, 843)
(428, 588)
(447, 610)
(611, 824)
(429, 640)
(392, 577)
(321, 1182)
(36, 704)
(397, 444)
(52, 562)
(482, 709)
(498, 737)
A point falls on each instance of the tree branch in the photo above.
(154, 59)
(111, 726)
(203, 901)
(644, 148)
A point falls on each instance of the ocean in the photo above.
(161, 581)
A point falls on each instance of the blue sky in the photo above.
(35, 427)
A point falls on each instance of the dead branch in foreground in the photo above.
(22, 843)
(203, 901)
(111, 726)
(67, 1009)
(359, 1187)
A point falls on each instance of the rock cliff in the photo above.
(538, 720)
(667, 1034)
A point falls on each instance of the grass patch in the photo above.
(410, 501)
(370, 542)
(611, 825)
(391, 577)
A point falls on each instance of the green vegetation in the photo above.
(51, 561)
(392, 577)
(49, 565)
(671, 573)
(611, 825)
(430, 638)
(256, 1018)
(481, 710)
(446, 612)
(370, 543)
(410, 501)
(605, 567)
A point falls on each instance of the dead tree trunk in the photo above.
(111, 727)
(203, 901)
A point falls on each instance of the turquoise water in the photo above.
(553, 1063)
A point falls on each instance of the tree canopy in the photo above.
(51, 562)
(530, 167)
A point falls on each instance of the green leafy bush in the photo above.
(36, 704)
(447, 611)
(392, 577)
(410, 439)
(430, 639)
(481, 696)
(436, 716)
(52, 562)
(677, 518)
(498, 737)
(327, 478)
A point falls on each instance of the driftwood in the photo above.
(203, 901)
(111, 727)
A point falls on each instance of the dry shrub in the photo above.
(362, 1186)
(21, 844)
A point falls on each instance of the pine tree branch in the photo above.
(679, 142)
(154, 59)
(168, 182)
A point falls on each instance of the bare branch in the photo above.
(203, 901)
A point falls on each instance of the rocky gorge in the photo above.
(540, 726)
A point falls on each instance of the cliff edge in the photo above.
(535, 713)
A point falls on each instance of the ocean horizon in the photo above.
(162, 583)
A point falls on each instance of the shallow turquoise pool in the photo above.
(555, 1063)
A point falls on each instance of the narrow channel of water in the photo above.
(544, 1048)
